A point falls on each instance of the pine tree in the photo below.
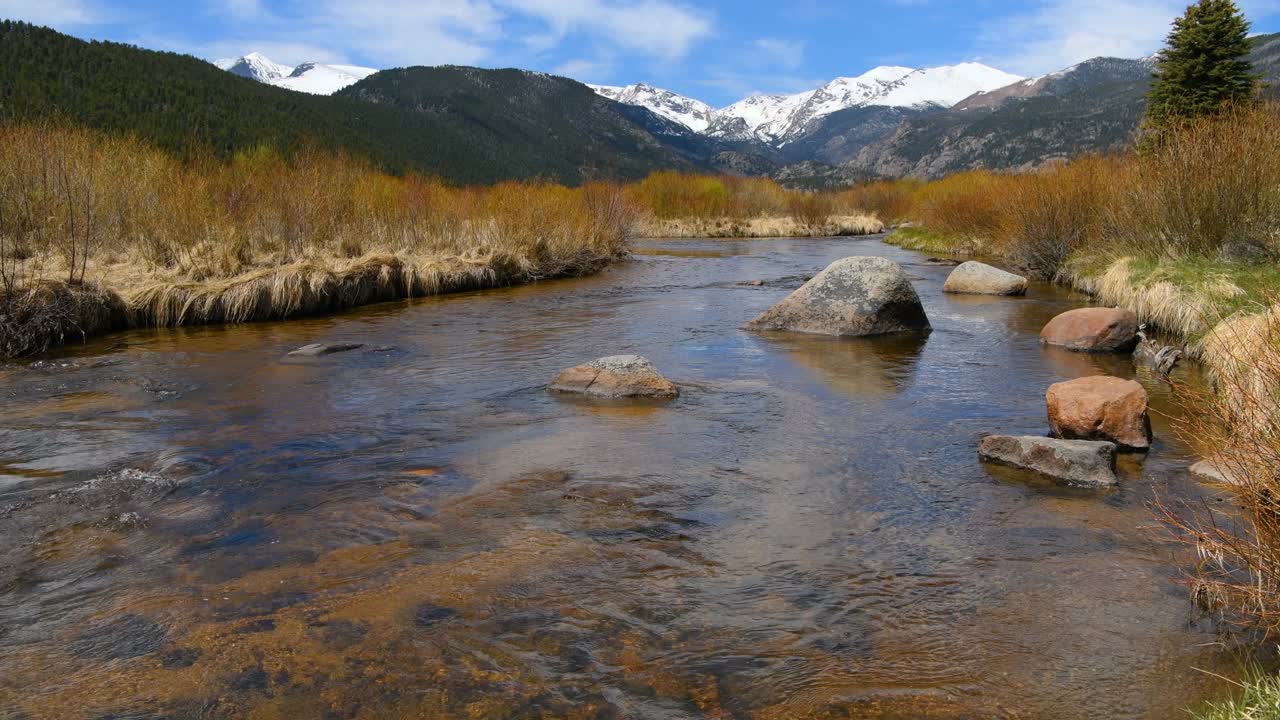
(1203, 68)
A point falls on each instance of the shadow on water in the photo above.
(190, 527)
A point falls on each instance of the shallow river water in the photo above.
(192, 526)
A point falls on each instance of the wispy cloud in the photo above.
(56, 13)
(787, 54)
(1053, 34)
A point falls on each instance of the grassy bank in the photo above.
(99, 232)
(1187, 235)
(675, 205)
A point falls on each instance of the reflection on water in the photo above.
(190, 527)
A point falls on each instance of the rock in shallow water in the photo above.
(618, 376)
(1093, 330)
(975, 278)
(318, 349)
(1080, 463)
(1216, 471)
(1100, 408)
(856, 296)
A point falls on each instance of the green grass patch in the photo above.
(1219, 279)
(925, 240)
(1256, 698)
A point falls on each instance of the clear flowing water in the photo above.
(193, 526)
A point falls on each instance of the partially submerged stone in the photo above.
(853, 297)
(1100, 408)
(318, 349)
(975, 278)
(1079, 463)
(618, 376)
(1215, 471)
(1093, 330)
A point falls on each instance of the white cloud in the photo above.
(54, 13)
(1058, 33)
(585, 70)
(788, 54)
(397, 33)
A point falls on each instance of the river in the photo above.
(192, 525)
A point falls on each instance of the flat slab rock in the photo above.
(618, 376)
(1079, 463)
(1100, 407)
(318, 349)
(1216, 472)
(852, 297)
(975, 278)
(1093, 330)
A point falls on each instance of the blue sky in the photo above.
(717, 51)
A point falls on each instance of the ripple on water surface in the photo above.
(416, 529)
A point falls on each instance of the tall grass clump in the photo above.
(1235, 424)
(86, 216)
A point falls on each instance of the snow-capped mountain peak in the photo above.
(776, 118)
(255, 66)
(691, 113)
(944, 86)
(309, 77)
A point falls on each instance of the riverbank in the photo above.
(100, 233)
(774, 226)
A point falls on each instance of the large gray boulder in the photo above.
(853, 297)
(975, 278)
(1080, 463)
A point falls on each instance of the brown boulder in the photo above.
(619, 376)
(1095, 330)
(1101, 408)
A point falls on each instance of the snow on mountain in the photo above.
(309, 77)
(255, 66)
(944, 86)
(693, 114)
(776, 118)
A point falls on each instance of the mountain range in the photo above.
(471, 125)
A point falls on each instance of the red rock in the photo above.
(1096, 330)
(1100, 408)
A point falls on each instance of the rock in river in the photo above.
(1100, 408)
(1094, 330)
(1070, 462)
(1218, 471)
(853, 297)
(975, 278)
(318, 349)
(619, 376)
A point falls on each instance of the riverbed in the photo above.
(193, 524)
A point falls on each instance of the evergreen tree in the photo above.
(1204, 66)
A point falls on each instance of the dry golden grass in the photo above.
(761, 227)
(262, 236)
(1236, 423)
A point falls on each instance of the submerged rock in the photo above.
(853, 297)
(1094, 330)
(1100, 408)
(318, 349)
(975, 278)
(1071, 462)
(618, 376)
